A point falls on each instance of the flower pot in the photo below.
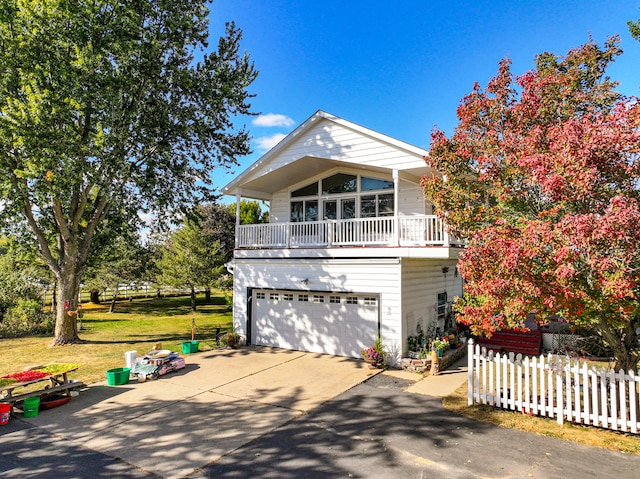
(373, 363)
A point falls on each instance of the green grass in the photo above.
(587, 435)
(136, 325)
(140, 324)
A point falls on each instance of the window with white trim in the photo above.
(441, 306)
(260, 296)
(373, 197)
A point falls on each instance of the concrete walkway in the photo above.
(445, 383)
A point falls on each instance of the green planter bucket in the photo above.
(118, 376)
(190, 347)
(31, 406)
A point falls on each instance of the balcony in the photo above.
(426, 230)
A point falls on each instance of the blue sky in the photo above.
(401, 67)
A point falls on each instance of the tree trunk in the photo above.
(207, 296)
(95, 296)
(66, 330)
(112, 306)
(193, 298)
(624, 343)
(54, 297)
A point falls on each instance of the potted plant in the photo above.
(233, 340)
(374, 355)
(440, 345)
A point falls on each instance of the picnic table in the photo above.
(54, 383)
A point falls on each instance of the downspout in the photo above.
(396, 208)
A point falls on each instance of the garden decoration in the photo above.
(233, 340)
(374, 355)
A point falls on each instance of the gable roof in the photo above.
(320, 144)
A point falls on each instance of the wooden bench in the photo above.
(52, 384)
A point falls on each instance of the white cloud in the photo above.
(265, 143)
(273, 119)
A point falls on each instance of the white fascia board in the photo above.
(358, 255)
(228, 189)
(419, 153)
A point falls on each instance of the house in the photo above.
(353, 249)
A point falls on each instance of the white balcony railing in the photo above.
(382, 231)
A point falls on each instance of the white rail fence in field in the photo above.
(555, 386)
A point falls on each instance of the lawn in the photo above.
(140, 324)
(136, 325)
(587, 435)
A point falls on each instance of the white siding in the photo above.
(336, 142)
(422, 280)
(279, 207)
(411, 200)
(370, 276)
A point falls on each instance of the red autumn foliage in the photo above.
(542, 176)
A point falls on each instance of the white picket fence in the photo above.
(554, 386)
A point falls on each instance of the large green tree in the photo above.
(195, 254)
(108, 109)
(542, 175)
(250, 212)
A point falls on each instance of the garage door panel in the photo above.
(320, 325)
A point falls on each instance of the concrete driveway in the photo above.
(239, 414)
(222, 400)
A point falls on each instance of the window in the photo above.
(372, 206)
(370, 301)
(377, 199)
(304, 298)
(441, 306)
(309, 190)
(287, 297)
(274, 296)
(339, 183)
(352, 300)
(260, 295)
(318, 298)
(305, 210)
(334, 299)
(372, 184)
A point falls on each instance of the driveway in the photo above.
(222, 400)
(264, 413)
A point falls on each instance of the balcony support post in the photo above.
(396, 221)
(238, 199)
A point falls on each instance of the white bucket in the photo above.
(130, 358)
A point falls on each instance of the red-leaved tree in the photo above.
(542, 176)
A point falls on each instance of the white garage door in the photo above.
(329, 323)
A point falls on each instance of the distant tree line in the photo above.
(192, 256)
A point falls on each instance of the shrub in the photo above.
(25, 318)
